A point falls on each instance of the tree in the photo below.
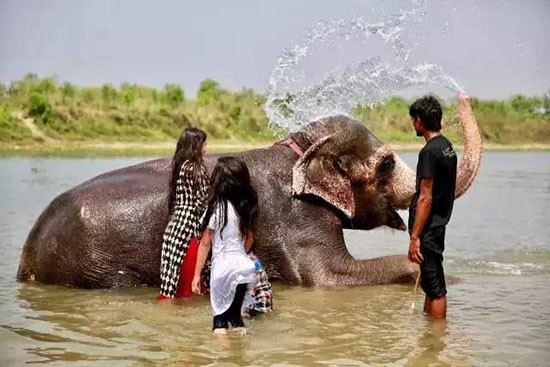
(39, 108)
(68, 90)
(88, 94)
(108, 94)
(127, 94)
(46, 86)
(30, 78)
(173, 95)
(208, 92)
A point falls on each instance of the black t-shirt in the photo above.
(437, 160)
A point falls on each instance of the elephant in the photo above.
(331, 175)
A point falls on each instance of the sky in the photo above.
(494, 48)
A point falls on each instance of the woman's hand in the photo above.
(249, 241)
(196, 285)
(202, 254)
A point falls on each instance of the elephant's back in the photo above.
(96, 234)
(154, 171)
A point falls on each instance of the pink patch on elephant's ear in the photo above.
(314, 174)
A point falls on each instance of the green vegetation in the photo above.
(72, 116)
(134, 113)
(511, 122)
(11, 129)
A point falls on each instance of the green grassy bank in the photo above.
(41, 116)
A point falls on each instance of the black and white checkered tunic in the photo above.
(184, 224)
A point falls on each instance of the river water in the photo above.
(498, 245)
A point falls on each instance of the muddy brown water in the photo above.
(498, 244)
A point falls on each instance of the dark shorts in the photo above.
(432, 277)
(233, 313)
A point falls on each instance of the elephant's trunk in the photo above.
(382, 270)
(473, 149)
(403, 182)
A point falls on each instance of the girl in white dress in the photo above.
(231, 215)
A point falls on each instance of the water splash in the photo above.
(292, 103)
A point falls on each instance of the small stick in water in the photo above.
(415, 290)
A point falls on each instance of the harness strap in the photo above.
(292, 145)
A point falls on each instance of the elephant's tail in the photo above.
(29, 268)
(26, 271)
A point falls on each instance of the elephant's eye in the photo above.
(386, 167)
(339, 165)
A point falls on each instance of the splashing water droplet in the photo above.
(291, 105)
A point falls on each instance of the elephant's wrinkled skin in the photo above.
(107, 232)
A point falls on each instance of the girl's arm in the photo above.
(204, 248)
(249, 241)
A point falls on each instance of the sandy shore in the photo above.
(110, 148)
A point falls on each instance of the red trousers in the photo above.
(187, 270)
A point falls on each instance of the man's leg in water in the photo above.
(432, 279)
(427, 304)
(436, 307)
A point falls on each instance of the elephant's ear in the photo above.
(318, 173)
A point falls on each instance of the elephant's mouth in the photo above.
(385, 215)
(395, 221)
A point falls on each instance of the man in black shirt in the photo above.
(432, 203)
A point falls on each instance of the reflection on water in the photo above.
(498, 245)
(327, 327)
(431, 343)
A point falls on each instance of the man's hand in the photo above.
(196, 285)
(415, 255)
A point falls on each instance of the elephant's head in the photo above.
(345, 165)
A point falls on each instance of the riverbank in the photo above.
(114, 149)
(166, 148)
(40, 116)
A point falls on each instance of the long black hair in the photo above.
(230, 182)
(188, 148)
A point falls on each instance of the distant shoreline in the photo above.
(43, 117)
(166, 148)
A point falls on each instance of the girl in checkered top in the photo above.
(231, 217)
(189, 187)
